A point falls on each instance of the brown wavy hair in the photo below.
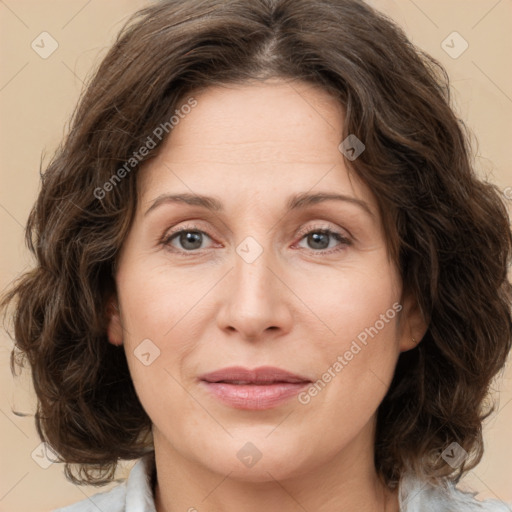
(447, 230)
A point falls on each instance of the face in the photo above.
(259, 276)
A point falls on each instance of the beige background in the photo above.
(37, 95)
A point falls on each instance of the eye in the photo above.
(320, 240)
(189, 239)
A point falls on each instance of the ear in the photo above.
(114, 326)
(412, 324)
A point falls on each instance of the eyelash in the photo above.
(168, 237)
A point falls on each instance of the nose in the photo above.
(255, 300)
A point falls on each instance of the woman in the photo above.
(266, 268)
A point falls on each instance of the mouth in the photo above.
(257, 389)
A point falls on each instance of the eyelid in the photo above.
(345, 240)
(178, 229)
(324, 227)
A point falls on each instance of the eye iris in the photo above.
(319, 240)
(192, 237)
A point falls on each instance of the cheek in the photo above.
(356, 356)
(157, 332)
(156, 299)
(161, 307)
(350, 302)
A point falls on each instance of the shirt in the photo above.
(135, 495)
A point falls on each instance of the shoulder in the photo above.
(133, 495)
(418, 496)
(113, 501)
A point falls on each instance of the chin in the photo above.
(252, 458)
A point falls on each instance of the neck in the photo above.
(346, 482)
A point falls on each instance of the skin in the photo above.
(297, 306)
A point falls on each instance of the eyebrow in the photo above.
(297, 201)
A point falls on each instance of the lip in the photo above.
(261, 375)
(261, 388)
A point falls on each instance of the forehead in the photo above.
(266, 138)
(235, 121)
